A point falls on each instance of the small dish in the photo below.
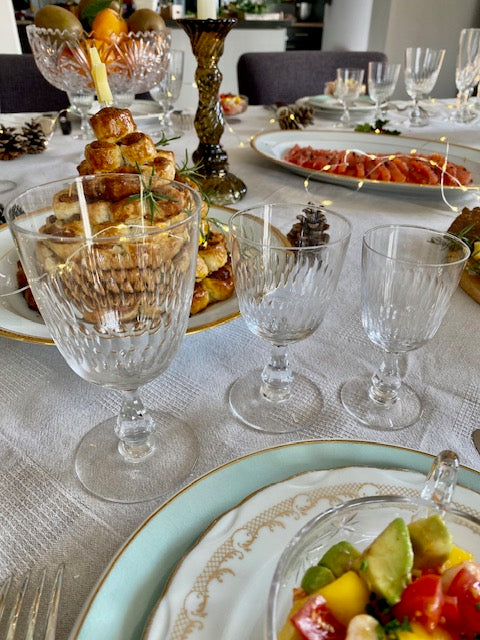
(233, 104)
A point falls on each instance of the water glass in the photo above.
(167, 91)
(348, 86)
(382, 80)
(422, 66)
(408, 277)
(467, 73)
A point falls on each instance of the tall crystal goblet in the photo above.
(111, 265)
(167, 91)
(82, 101)
(467, 73)
(408, 277)
(348, 86)
(422, 66)
(382, 80)
(283, 292)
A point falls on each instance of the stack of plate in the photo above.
(329, 107)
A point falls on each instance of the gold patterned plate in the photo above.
(19, 322)
(220, 588)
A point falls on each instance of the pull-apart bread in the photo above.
(120, 148)
(467, 227)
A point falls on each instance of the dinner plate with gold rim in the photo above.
(129, 589)
(19, 322)
(220, 588)
(273, 146)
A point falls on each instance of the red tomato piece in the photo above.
(315, 621)
(465, 586)
(422, 601)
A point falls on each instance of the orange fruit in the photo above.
(108, 22)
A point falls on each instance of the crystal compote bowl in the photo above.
(111, 266)
(135, 62)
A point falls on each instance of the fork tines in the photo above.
(14, 613)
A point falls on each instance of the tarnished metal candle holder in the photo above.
(207, 40)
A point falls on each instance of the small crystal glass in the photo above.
(382, 80)
(348, 86)
(116, 298)
(467, 73)
(167, 92)
(422, 66)
(283, 293)
(409, 275)
(82, 101)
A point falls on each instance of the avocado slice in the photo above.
(432, 542)
(386, 565)
(341, 557)
(315, 578)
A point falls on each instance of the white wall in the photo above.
(346, 25)
(397, 24)
(9, 40)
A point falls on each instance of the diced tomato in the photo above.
(465, 586)
(422, 600)
(314, 621)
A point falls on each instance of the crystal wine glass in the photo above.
(467, 73)
(113, 278)
(82, 101)
(167, 91)
(382, 80)
(348, 86)
(283, 292)
(422, 66)
(408, 277)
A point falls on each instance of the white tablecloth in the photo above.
(47, 517)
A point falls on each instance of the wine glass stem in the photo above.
(84, 124)
(277, 376)
(386, 381)
(134, 428)
(346, 113)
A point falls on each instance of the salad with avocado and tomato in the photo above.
(410, 583)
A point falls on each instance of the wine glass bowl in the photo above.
(167, 91)
(283, 291)
(134, 62)
(408, 277)
(114, 290)
(467, 73)
(382, 80)
(422, 67)
(348, 86)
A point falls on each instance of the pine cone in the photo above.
(35, 140)
(11, 143)
(311, 230)
(292, 116)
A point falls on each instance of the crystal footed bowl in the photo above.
(135, 62)
(357, 522)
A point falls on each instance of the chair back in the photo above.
(285, 76)
(24, 89)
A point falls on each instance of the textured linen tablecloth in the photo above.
(46, 516)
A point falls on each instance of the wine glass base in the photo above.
(401, 414)
(7, 185)
(105, 473)
(298, 412)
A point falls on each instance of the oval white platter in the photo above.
(219, 589)
(273, 146)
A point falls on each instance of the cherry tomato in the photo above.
(465, 586)
(314, 621)
(422, 600)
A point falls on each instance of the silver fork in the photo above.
(32, 618)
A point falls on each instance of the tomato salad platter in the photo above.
(398, 165)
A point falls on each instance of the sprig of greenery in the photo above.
(164, 141)
(469, 239)
(149, 195)
(185, 170)
(378, 127)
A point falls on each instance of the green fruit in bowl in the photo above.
(55, 17)
(146, 20)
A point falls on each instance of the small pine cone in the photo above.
(286, 118)
(311, 230)
(11, 143)
(304, 114)
(35, 140)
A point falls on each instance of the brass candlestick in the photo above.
(207, 40)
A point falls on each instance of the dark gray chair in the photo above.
(24, 89)
(285, 76)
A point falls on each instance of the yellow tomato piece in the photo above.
(456, 556)
(347, 596)
(419, 632)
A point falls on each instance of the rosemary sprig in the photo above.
(164, 141)
(205, 228)
(193, 172)
(470, 240)
(149, 195)
(378, 127)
